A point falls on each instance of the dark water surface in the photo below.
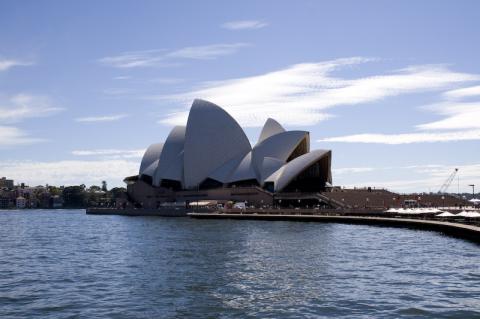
(65, 264)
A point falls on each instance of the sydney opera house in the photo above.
(211, 158)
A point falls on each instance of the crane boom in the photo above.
(446, 184)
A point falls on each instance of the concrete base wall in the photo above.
(151, 197)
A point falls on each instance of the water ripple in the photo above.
(65, 264)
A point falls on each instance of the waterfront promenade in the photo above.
(458, 229)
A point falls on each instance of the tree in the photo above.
(94, 188)
(118, 192)
(74, 197)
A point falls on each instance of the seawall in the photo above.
(458, 230)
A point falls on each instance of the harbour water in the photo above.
(66, 264)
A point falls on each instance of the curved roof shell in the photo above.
(171, 158)
(150, 170)
(173, 172)
(279, 146)
(282, 177)
(212, 146)
(151, 155)
(244, 170)
(223, 173)
(212, 139)
(270, 128)
(270, 165)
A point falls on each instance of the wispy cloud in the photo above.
(460, 123)
(17, 108)
(244, 25)
(463, 92)
(206, 52)
(122, 77)
(13, 136)
(458, 116)
(301, 94)
(110, 153)
(23, 106)
(350, 170)
(6, 64)
(133, 59)
(166, 58)
(102, 118)
(407, 138)
(69, 172)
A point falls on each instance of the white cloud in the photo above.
(13, 136)
(352, 170)
(22, 106)
(103, 118)
(6, 64)
(458, 116)
(300, 94)
(206, 52)
(407, 138)
(69, 172)
(133, 59)
(110, 153)
(244, 25)
(463, 92)
(165, 58)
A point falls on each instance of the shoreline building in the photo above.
(6, 183)
(211, 158)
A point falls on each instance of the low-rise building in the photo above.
(4, 203)
(6, 183)
(21, 202)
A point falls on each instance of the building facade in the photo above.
(6, 183)
(212, 158)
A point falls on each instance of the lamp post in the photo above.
(443, 198)
(473, 190)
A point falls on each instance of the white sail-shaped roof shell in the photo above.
(282, 177)
(170, 164)
(244, 170)
(212, 146)
(270, 128)
(212, 139)
(279, 146)
(151, 155)
(224, 172)
(173, 172)
(269, 166)
(150, 170)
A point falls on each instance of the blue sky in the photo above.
(393, 88)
